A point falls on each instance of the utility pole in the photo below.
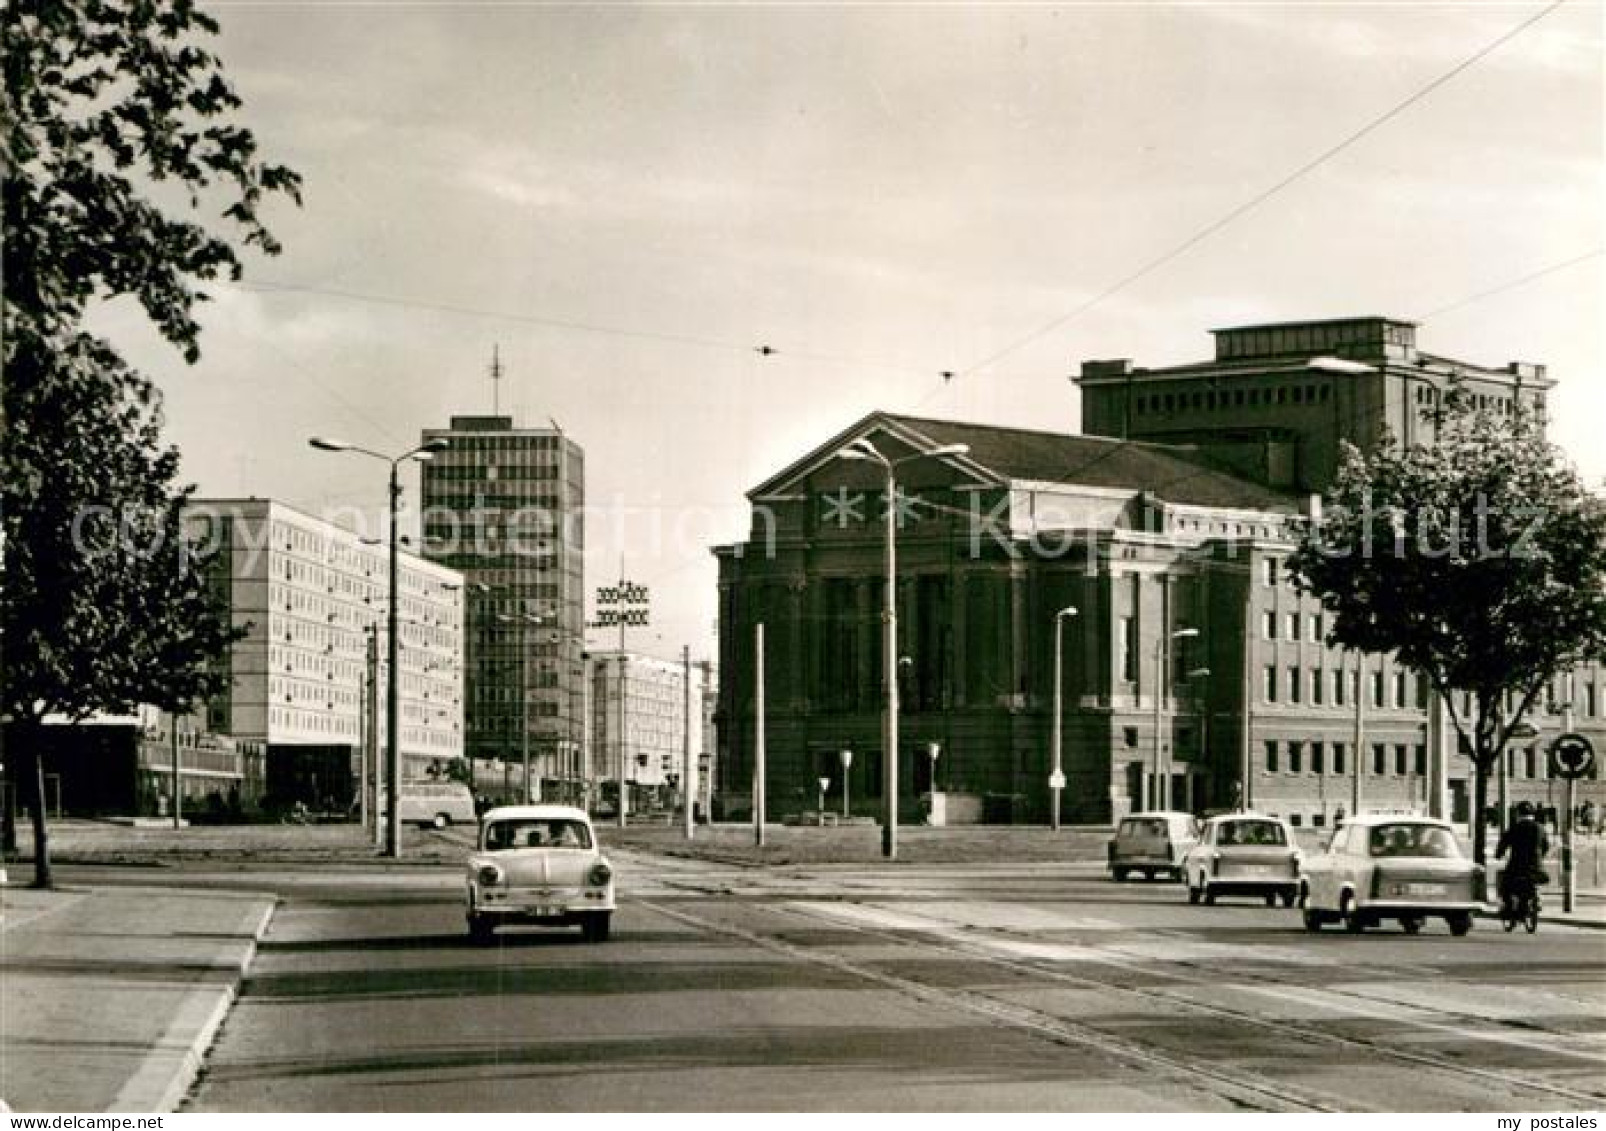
(687, 783)
(1359, 733)
(623, 606)
(758, 735)
(370, 738)
(178, 791)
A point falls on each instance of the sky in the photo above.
(626, 201)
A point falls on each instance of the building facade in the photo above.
(638, 725)
(504, 505)
(1276, 400)
(312, 596)
(1194, 673)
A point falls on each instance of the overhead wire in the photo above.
(1266, 194)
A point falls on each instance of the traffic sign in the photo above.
(1056, 780)
(1574, 755)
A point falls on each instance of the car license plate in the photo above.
(1257, 869)
(1424, 889)
(546, 911)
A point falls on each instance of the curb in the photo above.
(1492, 914)
(165, 1091)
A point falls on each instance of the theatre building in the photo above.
(1194, 674)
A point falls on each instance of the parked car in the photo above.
(1381, 866)
(1152, 843)
(436, 803)
(1243, 854)
(539, 864)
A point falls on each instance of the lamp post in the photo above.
(1204, 733)
(425, 451)
(825, 784)
(1162, 785)
(1056, 777)
(523, 619)
(847, 764)
(863, 449)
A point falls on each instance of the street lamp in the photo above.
(1056, 779)
(847, 764)
(863, 449)
(1204, 728)
(1162, 783)
(825, 784)
(521, 620)
(425, 451)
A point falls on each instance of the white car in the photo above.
(539, 864)
(1243, 854)
(1382, 866)
(1152, 843)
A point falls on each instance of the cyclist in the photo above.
(1527, 844)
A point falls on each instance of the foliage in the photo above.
(117, 131)
(111, 107)
(1479, 561)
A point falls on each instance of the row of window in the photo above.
(1427, 397)
(1299, 757)
(1293, 626)
(1319, 686)
(497, 443)
(1255, 397)
(544, 466)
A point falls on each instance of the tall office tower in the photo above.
(503, 505)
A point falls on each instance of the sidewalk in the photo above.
(113, 995)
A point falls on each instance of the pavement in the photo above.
(113, 995)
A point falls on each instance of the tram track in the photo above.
(942, 938)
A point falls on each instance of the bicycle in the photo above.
(1521, 906)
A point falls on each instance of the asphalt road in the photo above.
(1038, 988)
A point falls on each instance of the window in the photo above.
(1129, 735)
(1129, 649)
(1269, 626)
(1270, 685)
(1338, 758)
(1318, 679)
(1400, 767)
(1340, 678)
(1399, 691)
(1316, 628)
(1380, 759)
(1377, 689)
(1269, 571)
(1293, 685)
(1589, 699)
(1421, 761)
(1529, 757)
(1271, 757)
(1296, 757)
(1318, 758)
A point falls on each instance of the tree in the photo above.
(117, 135)
(1479, 561)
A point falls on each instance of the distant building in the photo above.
(1276, 400)
(310, 594)
(122, 766)
(503, 505)
(638, 713)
